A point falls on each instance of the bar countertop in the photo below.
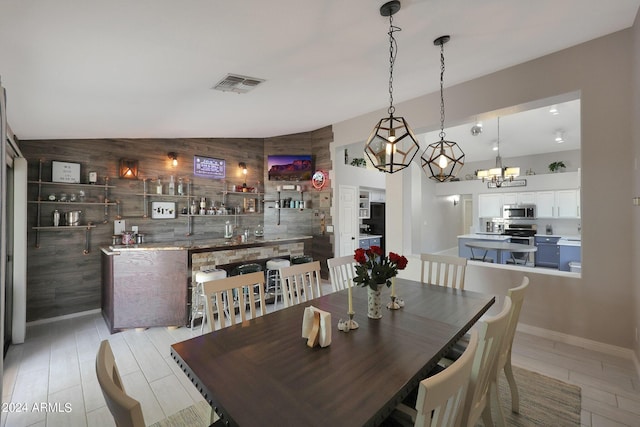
(204, 245)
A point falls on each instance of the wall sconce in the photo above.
(174, 158)
(455, 199)
(128, 168)
(243, 166)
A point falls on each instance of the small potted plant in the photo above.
(557, 166)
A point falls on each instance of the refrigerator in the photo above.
(376, 221)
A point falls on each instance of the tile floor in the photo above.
(56, 365)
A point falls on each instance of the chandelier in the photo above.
(499, 174)
(391, 146)
(443, 159)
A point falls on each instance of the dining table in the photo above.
(261, 372)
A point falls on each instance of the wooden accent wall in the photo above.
(62, 280)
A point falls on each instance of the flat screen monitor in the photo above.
(208, 167)
(294, 167)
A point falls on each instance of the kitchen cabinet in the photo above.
(548, 254)
(367, 242)
(377, 196)
(558, 204)
(364, 211)
(568, 253)
(490, 205)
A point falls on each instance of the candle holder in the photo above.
(347, 325)
(395, 303)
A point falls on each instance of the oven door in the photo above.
(524, 258)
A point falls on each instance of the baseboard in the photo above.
(613, 350)
(66, 316)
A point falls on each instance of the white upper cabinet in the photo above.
(490, 205)
(558, 204)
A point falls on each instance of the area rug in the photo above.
(544, 401)
(194, 416)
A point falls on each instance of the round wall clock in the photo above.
(319, 179)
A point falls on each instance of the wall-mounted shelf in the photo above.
(41, 200)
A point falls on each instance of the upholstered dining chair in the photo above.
(300, 283)
(236, 293)
(126, 410)
(342, 270)
(443, 270)
(491, 332)
(504, 357)
(441, 397)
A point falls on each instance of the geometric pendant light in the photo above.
(442, 160)
(392, 145)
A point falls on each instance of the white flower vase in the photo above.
(374, 304)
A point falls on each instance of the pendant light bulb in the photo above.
(442, 161)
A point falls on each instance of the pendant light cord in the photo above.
(442, 134)
(393, 51)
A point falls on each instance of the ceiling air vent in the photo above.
(237, 83)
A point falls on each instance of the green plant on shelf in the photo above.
(557, 166)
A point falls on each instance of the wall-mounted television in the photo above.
(293, 167)
(209, 167)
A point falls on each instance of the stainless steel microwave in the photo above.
(519, 211)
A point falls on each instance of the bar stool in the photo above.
(273, 276)
(198, 299)
(301, 259)
(245, 269)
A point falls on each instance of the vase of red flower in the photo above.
(374, 269)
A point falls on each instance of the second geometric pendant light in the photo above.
(442, 160)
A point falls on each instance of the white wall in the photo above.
(600, 305)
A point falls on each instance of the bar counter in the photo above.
(149, 284)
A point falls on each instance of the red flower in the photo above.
(360, 256)
(377, 250)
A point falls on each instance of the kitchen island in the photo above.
(149, 284)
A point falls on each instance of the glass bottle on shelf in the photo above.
(159, 186)
(172, 186)
(180, 187)
(194, 208)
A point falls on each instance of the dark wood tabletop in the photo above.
(262, 372)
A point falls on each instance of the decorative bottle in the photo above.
(180, 187)
(172, 186)
(159, 187)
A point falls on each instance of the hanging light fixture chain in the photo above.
(442, 134)
(393, 51)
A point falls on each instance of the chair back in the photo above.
(341, 272)
(490, 335)
(126, 410)
(443, 270)
(300, 283)
(241, 293)
(441, 397)
(517, 299)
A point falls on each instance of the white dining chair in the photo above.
(300, 283)
(504, 356)
(441, 397)
(236, 293)
(491, 332)
(443, 270)
(342, 270)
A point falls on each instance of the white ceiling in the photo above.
(117, 68)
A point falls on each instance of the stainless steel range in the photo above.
(525, 235)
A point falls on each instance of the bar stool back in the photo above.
(198, 300)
